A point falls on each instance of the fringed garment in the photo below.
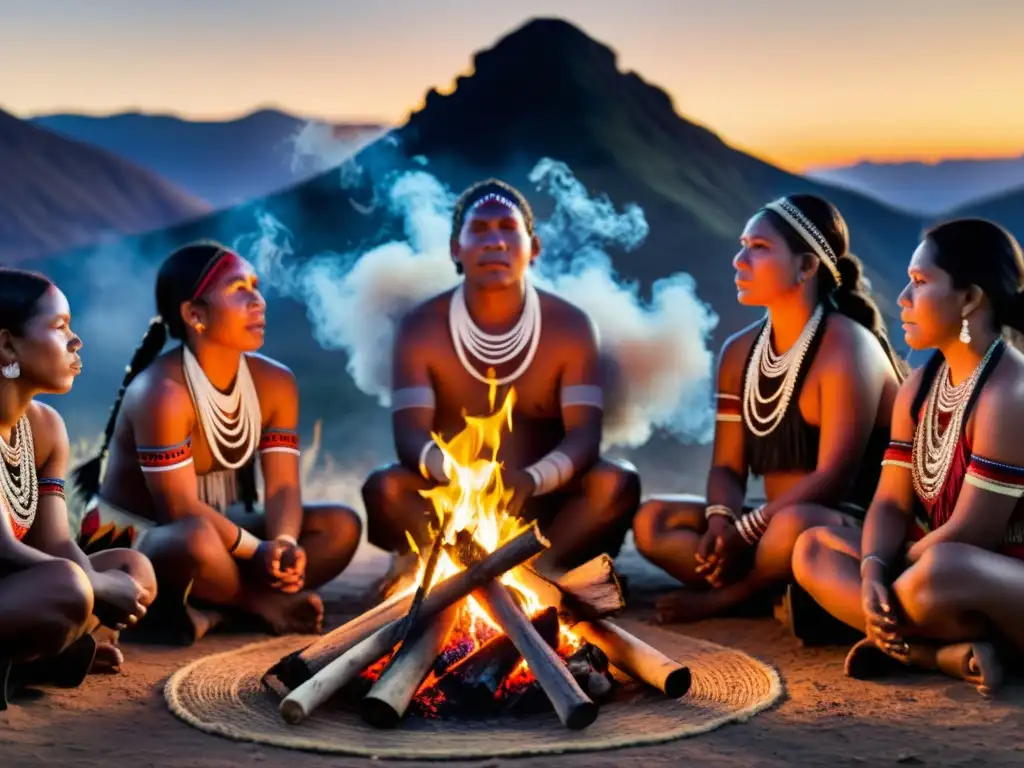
(793, 445)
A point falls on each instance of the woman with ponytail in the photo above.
(804, 401)
(937, 578)
(180, 448)
(54, 600)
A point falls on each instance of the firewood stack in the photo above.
(412, 638)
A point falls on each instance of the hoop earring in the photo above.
(11, 371)
(965, 332)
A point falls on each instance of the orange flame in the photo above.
(476, 500)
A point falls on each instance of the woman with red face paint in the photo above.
(180, 446)
(804, 400)
(937, 579)
(53, 598)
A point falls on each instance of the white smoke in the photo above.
(355, 300)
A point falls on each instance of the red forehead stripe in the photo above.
(225, 263)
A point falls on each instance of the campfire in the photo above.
(478, 631)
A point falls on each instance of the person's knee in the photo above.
(646, 525)
(614, 487)
(193, 543)
(808, 550)
(931, 588)
(790, 522)
(69, 599)
(339, 524)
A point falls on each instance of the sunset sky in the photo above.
(798, 82)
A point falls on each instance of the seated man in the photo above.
(492, 323)
(183, 438)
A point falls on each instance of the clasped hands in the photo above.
(881, 616)
(284, 564)
(722, 553)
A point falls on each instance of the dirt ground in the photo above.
(824, 718)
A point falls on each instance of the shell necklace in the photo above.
(765, 363)
(22, 492)
(230, 421)
(495, 349)
(933, 449)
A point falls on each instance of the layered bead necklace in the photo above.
(22, 492)
(231, 421)
(934, 449)
(765, 363)
(495, 349)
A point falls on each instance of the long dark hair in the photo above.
(20, 291)
(177, 281)
(982, 253)
(851, 297)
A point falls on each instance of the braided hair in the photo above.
(480, 190)
(852, 297)
(178, 279)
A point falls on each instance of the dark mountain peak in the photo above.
(549, 45)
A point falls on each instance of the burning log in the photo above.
(340, 669)
(390, 696)
(298, 668)
(475, 680)
(571, 704)
(595, 585)
(636, 658)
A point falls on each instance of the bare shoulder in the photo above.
(160, 392)
(49, 433)
(733, 357)
(269, 372)
(845, 337)
(421, 323)
(570, 319)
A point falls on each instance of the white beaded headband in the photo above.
(795, 218)
(494, 197)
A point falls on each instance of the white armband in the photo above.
(587, 395)
(551, 472)
(432, 462)
(245, 545)
(413, 397)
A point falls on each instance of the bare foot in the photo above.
(108, 659)
(975, 663)
(688, 605)
(301, 613)
(867, 661)
(202, 621)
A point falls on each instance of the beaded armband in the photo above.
(994, 476)
(165, 459)
(51, 486)
(583, 395)
(279, 441)
(727, 407)
(899, 454)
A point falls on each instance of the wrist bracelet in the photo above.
(245, 545)
(720, 510)
(876, 558)
(752, 526)
(286, 538)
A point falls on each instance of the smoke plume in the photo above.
(656, 347)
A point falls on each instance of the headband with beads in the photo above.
(810, 234)
(494, 197)
(223, 261)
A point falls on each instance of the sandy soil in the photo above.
(824, 719)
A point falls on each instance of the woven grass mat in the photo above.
(221, 694)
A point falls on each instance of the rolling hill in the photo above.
(57, 194)
(221, 162)
(929, 189)
(1006, 209)
(545, 90)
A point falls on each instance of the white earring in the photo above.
(11, 371)
(965, 332)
